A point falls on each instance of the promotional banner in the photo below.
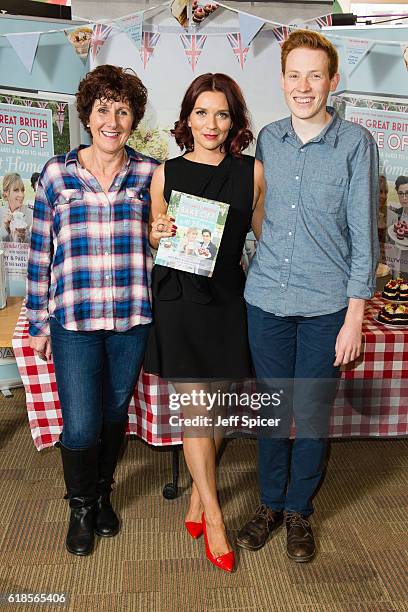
(31, 131)
(390, 130)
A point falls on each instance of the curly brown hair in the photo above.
(239, 136)
(111, 83)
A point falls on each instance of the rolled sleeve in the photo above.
(362, 213)
(39, 262)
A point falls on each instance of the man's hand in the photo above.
(349, 339)
(41, 346)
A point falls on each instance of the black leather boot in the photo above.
(112, 436)
(80, 474)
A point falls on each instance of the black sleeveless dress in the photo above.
(200, 326)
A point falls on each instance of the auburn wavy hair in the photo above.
(111, 83)
(240, 135)
(310, 40)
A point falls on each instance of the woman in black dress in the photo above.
(200, 335)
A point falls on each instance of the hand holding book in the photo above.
(163, 227)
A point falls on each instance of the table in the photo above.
(372, 399)
(8, 318)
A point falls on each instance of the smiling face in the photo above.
(206, 237)
(110, 124)
(403, 195)
(210, 121)
(15, 195)
(306, 83)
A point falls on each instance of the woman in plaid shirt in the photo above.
(88, 290)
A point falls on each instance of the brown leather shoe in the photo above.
(257, 530)
(300, 541)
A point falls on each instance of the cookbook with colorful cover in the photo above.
(200, 224)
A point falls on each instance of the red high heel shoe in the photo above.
(194, 529)
(225, 562)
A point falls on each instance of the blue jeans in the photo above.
(296, 349)
(96, 372)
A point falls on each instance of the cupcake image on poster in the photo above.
(201, 10)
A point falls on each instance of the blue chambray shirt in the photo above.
(319, 243)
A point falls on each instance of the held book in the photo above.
(200, 224)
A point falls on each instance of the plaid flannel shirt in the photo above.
(90, 260)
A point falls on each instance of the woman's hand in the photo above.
(162, 227)
(41, 346)
(7, 220)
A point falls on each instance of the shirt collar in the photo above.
(328, 134)
(72, 156)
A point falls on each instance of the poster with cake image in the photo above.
(388, 123)
(200, 224)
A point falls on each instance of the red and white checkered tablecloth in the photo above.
(372, 399)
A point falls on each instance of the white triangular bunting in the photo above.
(132, 26)
(249, 26)
(25, 45)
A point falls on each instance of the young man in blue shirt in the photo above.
(314, 268)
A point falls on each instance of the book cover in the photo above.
(200, 225)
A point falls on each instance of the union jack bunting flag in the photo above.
(27, 102)
(148, 45)
(324, 20)
(193, 45)
(60, 119)
(42, 104)
(9, 100)
(281, 33)
(239, 50)
(100, 34)
(402, 109)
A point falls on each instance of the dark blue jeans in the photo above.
(96, 372)
(301, 351)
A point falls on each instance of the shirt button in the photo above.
(286, 259)
(107, 277)
(302, 150)
(283, 285)
(290, 233)
(106, 252)
(297, 178)
(293, 205)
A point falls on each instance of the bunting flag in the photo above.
(60, 119)
(9, 100)
(324, 20)
(385, 106)
(370, 103)
(238, 48)
(193, 45)
(356, 49)
(281, 33)
(25, 45)
(80, 40)
(352, 101)
(100, 35)
(27, 102)
(149, 43)
(404, 49)
(402, 108)
(249, 26)
(132, 26)
(42, 104)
